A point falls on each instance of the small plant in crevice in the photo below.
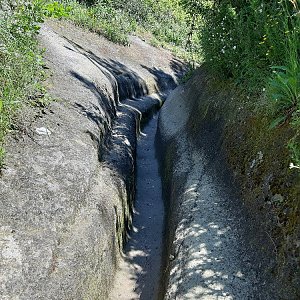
(188, 75)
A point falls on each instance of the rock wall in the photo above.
(222, 241)
(67, 187)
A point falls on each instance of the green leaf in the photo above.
(276, 122)
(282, 68)
(277, 97)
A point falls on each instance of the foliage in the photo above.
(55, 10)
(237, 41)
(284, 85)
(103, 19)
(166, 20)
(294, 147)
(20, 58)
(284, 90)
(19, 63)
(256, 43)
(196, 7)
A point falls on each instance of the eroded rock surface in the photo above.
(68, 182)
(217, 249)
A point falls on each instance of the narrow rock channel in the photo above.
(139, 272)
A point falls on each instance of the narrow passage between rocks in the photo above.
(139, 272)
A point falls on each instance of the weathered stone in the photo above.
(213, 237)
(66, 198)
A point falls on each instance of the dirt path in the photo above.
(139, 272)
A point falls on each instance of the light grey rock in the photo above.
(66, 198)
(210, 256)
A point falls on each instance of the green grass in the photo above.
(21, 60)
(165, 20)
(20, 64)
(105, 20)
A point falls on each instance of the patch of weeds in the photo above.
(21, 62)
(101, 18)
(56, 10)
(166, 20)
(284, 91)
(243, 39)
(284, 85)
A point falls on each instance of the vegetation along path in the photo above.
(86, 103)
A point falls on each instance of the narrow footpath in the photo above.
(139, 272)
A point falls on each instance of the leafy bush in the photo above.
(55, 10)
(256, 43)
(284, 90)
(284, 85)
(243, 41)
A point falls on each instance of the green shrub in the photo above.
(284, 85)
(165, 19)
(55, 10)
(294, 148)
(243, 39)
(256, 43)
(284, 90)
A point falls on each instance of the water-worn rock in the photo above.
(68, 181)
(216, 248)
